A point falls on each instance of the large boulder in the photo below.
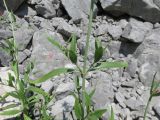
(46, 56)
(148, 10)
(77, 9)
(12, 4)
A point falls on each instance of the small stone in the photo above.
(64, 105)
(136, 31)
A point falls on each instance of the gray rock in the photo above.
(64, 87)
(77, 9)
(104, 92)
(115, 31)
(145, 9)
(136, 31)
(120, 98)
(135, 104)
(45, 54)
(23, 37)
(64, 28)
(12, 5)
(47, 8)
(4, 34)
(156, 108)
(47, 86)
(63, 106)
(101, 30)
(132, 67)
(4, 58)
(25, 11)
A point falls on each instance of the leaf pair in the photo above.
(71, 53)
(99, 50)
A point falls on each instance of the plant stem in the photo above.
(146, 109)
(85, 56)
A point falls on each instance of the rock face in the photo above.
(45, 54)
(77, 9)
(148, 10)
(135, 31)
(12, 4)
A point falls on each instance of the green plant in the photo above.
(25, 90)
(83, 108)
(154, 92)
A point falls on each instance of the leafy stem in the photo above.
(86, 54)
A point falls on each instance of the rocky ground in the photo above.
(130, 29)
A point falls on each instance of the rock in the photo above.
(135, 104)
(104, 92)
(129, 84)
(101, 30)
(64, 28)
(45, 54)
(63, 106)
(25, 11)
(64, 89)
(12, 5)
(145, 9)
(135, 31)
(156, 108)
(132, 67)
(5, 34)
(115, 31)
(23, 37)
(46, 8)
(77, 9)
(120, 98)
(47, 86)
(114, 48)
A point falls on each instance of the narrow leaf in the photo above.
(55, 43)
(112, 114)
(98, 54)
(10, 112)
(27, 117)
(38, 90)
(98, 113)
(107, 65)
(77, 109)
(51, 74)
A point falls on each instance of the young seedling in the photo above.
(154, 92)
(83, 108)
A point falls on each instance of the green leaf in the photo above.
(107, 65)
(98, 50)
(11, 80)
(8, 107)
(98, 113)
(78, 109)
(92, 93)
(51, 74)
(13, 94)
(12, 17)
(73, 56)
(10, 112)
(73, 45)
(98, 54)
(112, 114)
(38, 90)
(14, 66)
(87, 100)
(27, 117)
(55, 43)
(73, 50)
(92, 117)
